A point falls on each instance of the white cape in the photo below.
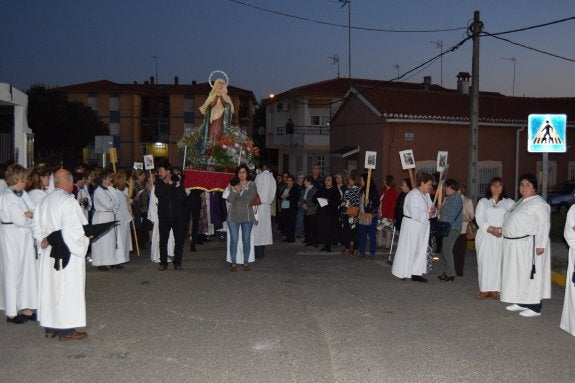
(568, 314)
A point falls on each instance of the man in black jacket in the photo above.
(169, 188)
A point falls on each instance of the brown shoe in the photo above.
(76, 335)
(233, 268)
(246, 267)
(162, 267)
(494, 295)
(483, 295)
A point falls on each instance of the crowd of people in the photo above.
(44, 214)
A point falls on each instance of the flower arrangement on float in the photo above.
(232, 148)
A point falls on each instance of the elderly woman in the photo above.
(309, 206)
(488, 242)
(239, 193)
(411, 254)
(526, 268)
(18, 290)
(368, 204)
(327, 215)
(451, 212)
(350, 200)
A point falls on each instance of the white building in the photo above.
(16, 138)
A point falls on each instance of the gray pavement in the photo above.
(300, 316)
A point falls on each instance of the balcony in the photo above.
(303, 135)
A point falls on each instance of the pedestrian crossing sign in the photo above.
(547, 133)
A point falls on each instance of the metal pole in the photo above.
(474, 111)
(349, 34)
(545, 175)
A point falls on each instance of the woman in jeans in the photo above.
(240, 216)
(369, 206)
(451, 211)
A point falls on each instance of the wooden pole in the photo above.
(368, 186)
(133, 225)
(113, 157)
(412, 178)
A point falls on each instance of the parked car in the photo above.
(562, 196)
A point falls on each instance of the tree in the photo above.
(61, 128)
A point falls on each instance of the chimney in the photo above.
(427, 80)
(463, 82)
(152, 80)
(194, 82)
(176, 80)
(135, 83)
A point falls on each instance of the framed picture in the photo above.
(441, 161)
(370, 158)
(139, 165)
(407, 159)
(149, 161)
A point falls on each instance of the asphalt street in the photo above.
(300, 315)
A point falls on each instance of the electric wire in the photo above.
(534, 26)
(528, 47)
(347, 26)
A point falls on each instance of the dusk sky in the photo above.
(64, 42)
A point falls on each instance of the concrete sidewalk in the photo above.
(300, 316)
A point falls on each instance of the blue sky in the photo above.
(63, 42)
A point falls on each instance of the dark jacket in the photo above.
(171, 200)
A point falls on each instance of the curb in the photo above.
(558, 279)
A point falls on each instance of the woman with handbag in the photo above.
(451, 212)
(411, 255)
(388, 203)
(367, 216)
(488, 241)
(349, 217)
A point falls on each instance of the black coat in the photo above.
(171, 200)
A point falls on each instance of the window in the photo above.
(552, 173)
(317, 158)
(114, 128)
(189, 104)
(114, 102)
(93, 101)
(426, 166)
(319, 120)
(486, 170)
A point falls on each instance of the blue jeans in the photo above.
(234, 232)
(363, 232)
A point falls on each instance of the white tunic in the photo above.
(568, 315)
(411, 254)
(529, 216)
(266, 186)
(124, 238)
(153, 217)
(488, 246)
(61, 294)
(37, 195)
(18, 287)
(106, 205)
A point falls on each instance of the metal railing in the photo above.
(320, 130)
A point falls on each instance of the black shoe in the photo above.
(162, 267)
(308, 244)
(193, 248)
(103, 268)
(118, 267)
(18, 319)
(177, 266)
(418, 278)
(459, 274)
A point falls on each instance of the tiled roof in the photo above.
(338, 87)
(453, 106)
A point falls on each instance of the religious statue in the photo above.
(217, 110)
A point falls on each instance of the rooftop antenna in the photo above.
(439, 44)
(396, 66)
(513, 60)
(335, 60)
(155, 57)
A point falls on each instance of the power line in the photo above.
(528, 47)
(534, 26)
(346, 26)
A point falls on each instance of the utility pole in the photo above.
(475, 30)
(348, 3)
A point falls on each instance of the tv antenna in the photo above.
(513, 60)
(396, 66)
(335, 60)
(439, 44)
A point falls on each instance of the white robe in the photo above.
(266, 185)
(568, 314)
(240, 251)
(106, 206)
(529, 216)
(124, 238)
(18, 287)
(37, 195)
(411, 254)
(61, 294)
(489, 247)
(153, 217)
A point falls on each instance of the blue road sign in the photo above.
(547, 133)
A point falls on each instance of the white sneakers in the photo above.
(529, 313)
(524, 311)
(515, 308)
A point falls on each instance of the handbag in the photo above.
(256, 200)
(471, 231)
(365, 218)
(352, 211)
(440, 228)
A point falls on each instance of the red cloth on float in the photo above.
(208, 181)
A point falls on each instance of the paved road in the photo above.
(299, 316)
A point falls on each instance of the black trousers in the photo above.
(310, 228)
(289, 218)
(195, 220)
(178, 226)
(459, 252)
(349, 235)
